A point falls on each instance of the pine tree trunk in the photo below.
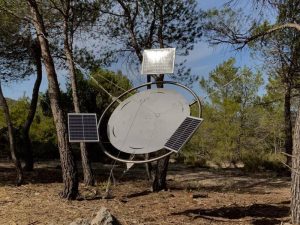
(88, 177)
(12, 144)
(148, 167)
(69, 170)
(295, 184)
(288, 123)
(86, 165)
(160, 178)
(36, 52)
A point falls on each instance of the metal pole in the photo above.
(149, 81)
(148, 165)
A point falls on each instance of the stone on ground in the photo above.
(104, 217)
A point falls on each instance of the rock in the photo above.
(104, 217)
(80, 221)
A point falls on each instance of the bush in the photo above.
(258, 161)
(192, 155)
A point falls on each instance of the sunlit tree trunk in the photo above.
(295, 185)
(288, 144)
(69, 170)
(86, 166)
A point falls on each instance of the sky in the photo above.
(201, 60)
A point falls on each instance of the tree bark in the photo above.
(295, 173)
(86, 165)
(12, 144)
(159, 182)
(288, 124)
(69, 170)
(36, 53)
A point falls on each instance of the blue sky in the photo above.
(201, 60)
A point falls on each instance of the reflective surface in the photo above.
(144, 122)
(158, 61)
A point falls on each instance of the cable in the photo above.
(103, 78)
(100, 86)
(111, 82)
(111, 175)
(238, 76)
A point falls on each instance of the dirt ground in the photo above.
(226, 196)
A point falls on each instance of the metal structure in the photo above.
(133, 133)
(156, 122)
(143, 122)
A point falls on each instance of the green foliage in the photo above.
(181, 26)
(15, 42)
(239, 125)
(91, 95)
(258, 160)
(232, 91)
(42, 131)
(114, 83)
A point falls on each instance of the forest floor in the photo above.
(227, 196)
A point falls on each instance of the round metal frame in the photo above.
(117, 99)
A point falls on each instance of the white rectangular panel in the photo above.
(158, 61)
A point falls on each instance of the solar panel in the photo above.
(83, 127)
(158, 61)
(183, 133)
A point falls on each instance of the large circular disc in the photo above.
(145, 121)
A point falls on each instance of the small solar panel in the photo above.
(183, 133)
(158, 61)
(83, 127)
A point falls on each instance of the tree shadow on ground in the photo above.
(265, 221)
(261, 213)
(50, 172)
(139, 194)
(39, 175)
(245, 185)
(223, 181)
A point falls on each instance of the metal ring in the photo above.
(133, 89)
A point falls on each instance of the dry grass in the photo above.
(232, 198)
